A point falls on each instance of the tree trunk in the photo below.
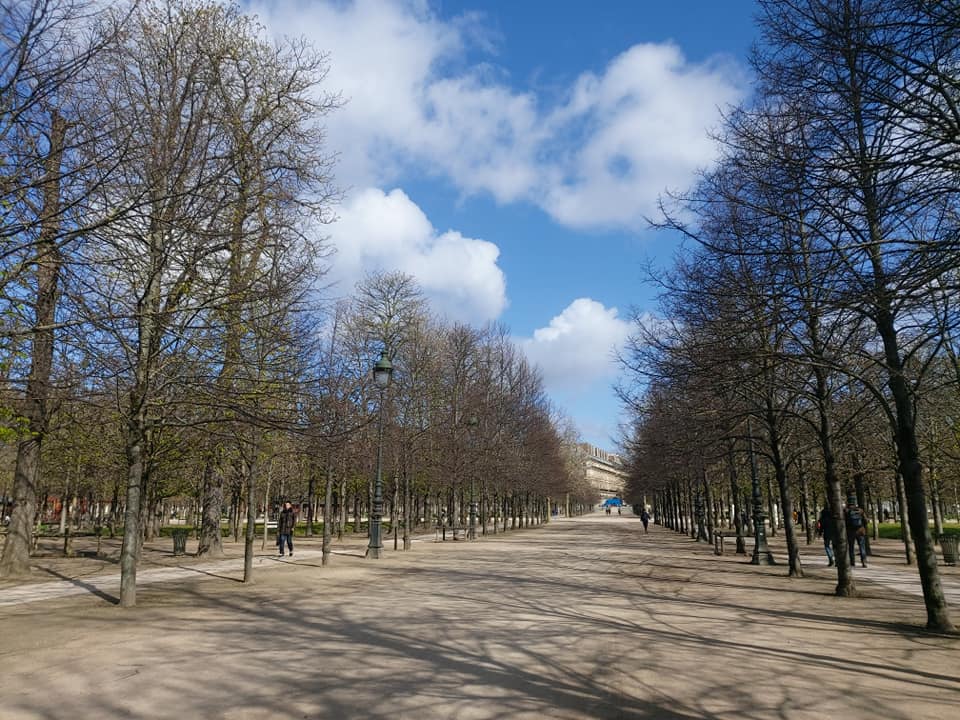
(408, 512)
(249, 534)
(862, 501)
(484, 507)
(311, 482)
(64, 504)
(266, 507)
(130, 549)
(708, 493)
(905, 531)
(908, 453)
(15, 561)
(834, 493)
(935, 501)
(878, 509)
(368, 506)
(805, 499)
(235, 504)
(772, 508)
(327, 516)
(210, 542)
(114, 507)
(786, 508)
(356, 512)
(394, 508)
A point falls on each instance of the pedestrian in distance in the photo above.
(286, 522)
(856, 522)
(645, 519)
(827, 531)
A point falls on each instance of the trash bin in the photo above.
(180, 541)
(948, 546)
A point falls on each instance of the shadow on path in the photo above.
(92, 589)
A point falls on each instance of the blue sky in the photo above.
(507, 152)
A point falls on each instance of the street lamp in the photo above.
(761, 552)
(381, 378)
(472, 423)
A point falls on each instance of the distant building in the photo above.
(603, 470)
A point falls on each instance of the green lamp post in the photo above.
(473, 423)
(382, 372)
(761, 552)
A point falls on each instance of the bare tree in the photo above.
(871, 178)
(154, 261)
(44, 185)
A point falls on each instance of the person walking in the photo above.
(827, 530)
(286, 522)
(644, 518)
(856, 522)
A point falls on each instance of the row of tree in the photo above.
(815, 315)
(163, 329)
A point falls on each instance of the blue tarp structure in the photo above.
(616, 502)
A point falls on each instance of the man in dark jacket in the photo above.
(285, 524)
(826, 529)
(856, 521)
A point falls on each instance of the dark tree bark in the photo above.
(250, 532)
(786, 503)
(210, 542)
(16, 552)
(735, 495)
(905, 531)
(327, 515)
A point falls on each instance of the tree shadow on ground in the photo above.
(523, 630)
(92, 589)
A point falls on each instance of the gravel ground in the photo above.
(585, 618)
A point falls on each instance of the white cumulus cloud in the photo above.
(577, 348)
(597, 158)
(388, 231)
(647, 117)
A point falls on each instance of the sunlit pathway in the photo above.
(900, 578)
(108, 584)
(581, 619)
(903, 578)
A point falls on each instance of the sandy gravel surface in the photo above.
(586, 618)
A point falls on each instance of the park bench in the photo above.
(441, 532)
(718, 538)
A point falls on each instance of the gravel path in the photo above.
(585, 618)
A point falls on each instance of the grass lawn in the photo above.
(891, 531)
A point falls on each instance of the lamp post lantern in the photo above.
(472, 526)
(381, 378)
(761, 552)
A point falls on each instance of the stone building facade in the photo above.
(603, 470)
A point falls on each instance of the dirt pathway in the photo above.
(581, 619)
